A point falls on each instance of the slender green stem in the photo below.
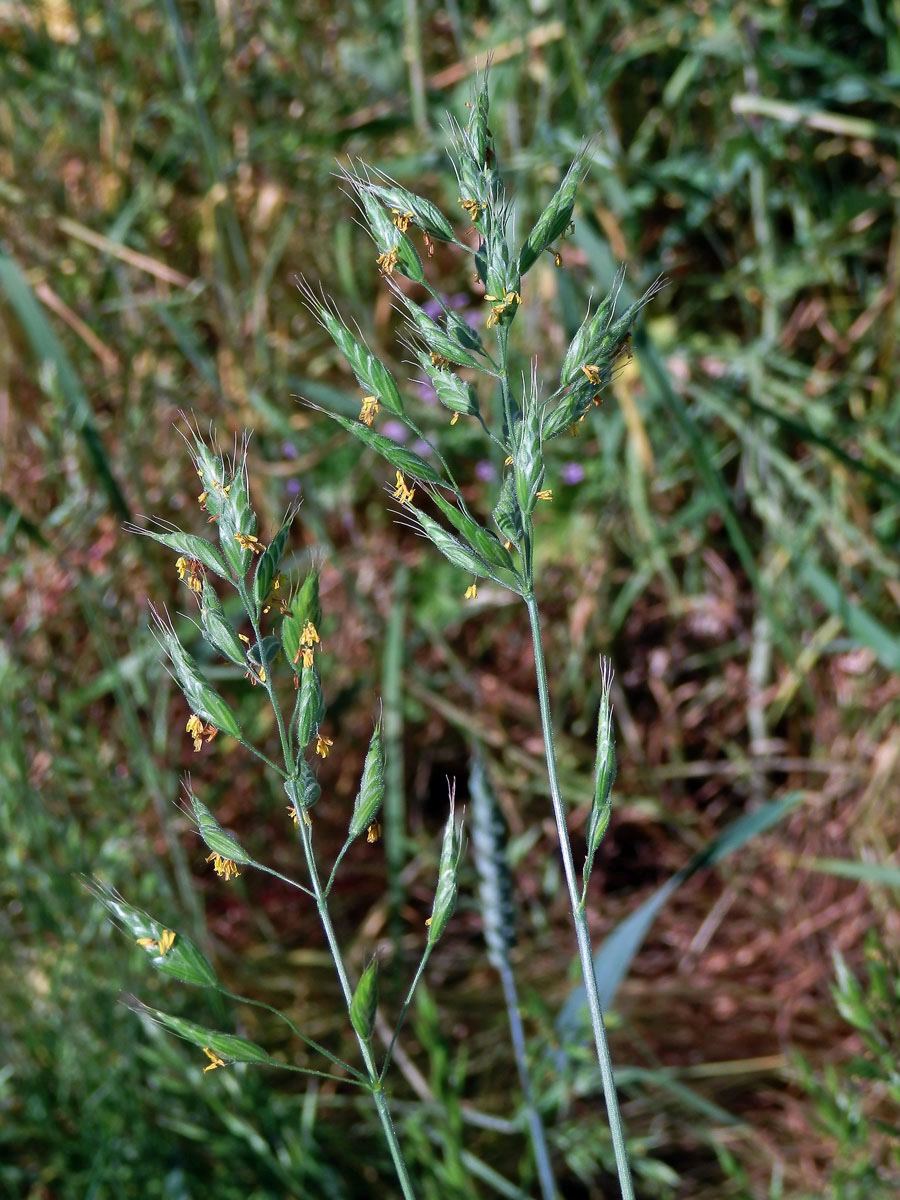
(263, 757)
(284, 878)
(535, 1124)
(405, 1009)
(371, 1070)
(578, 911)
(337, 863)
(313, 1045)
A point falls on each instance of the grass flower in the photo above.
(214, 1060)
(369, 410)
(501, 305)
(249, 541)
(472, 208)
(401, 219)
(199, 731)
(387, 261)
(402, 493)
(323, 745)
(225, 868)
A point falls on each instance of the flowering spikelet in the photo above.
(190, 570)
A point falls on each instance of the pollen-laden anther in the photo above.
(401, 219)
(402, 493)
(500, 305)
(309, 639)
(190, 571)
(223, 867)
(369, 410)
(199, 731)
(249, 541)
(388, 261)
(472, 208)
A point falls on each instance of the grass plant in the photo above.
(724, 529)
(517, 421)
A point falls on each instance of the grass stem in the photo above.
(579, 915)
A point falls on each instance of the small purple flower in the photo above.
(395, 430)
(485, 470)
(421, 448)
(293, 487)
(432, 308)
(288, 449)
(573, 472)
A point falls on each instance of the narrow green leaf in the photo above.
(614, 957)
(875, 874)
(55, 367)
(859, 623)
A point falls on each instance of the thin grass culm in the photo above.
(280, 656)
(472, 377)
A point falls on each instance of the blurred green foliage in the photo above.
(725, 526)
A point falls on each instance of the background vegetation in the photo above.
(725, 528)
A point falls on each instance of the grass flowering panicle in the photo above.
(518, 421)
(283, 643)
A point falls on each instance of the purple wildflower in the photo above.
(573, 472)
(395, 430)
